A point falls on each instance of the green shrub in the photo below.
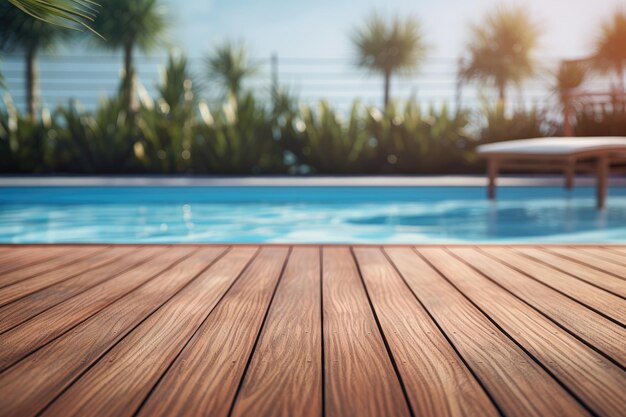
(94, 143)
(413, 141)
(24, 142)
(499, 125)
(176, 133)
(237, 139)
(166, 127)
(326, 143)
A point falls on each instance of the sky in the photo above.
(321, 28)
(311, 31)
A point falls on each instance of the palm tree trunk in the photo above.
(128, 84)
(32, 82)
(387, 87)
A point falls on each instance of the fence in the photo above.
(87, 78)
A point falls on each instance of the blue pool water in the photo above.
(307, 214)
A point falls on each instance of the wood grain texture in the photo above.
(81, 261)
(66, 258)
(28, 386)
(587, 294)
(311, 331)
(14, 258)
(605, 335)
(437, 381)
(285, 375)
(600, 384)
(609, 256)
(593, 276)
(519, 386)
(23, 339)
(27, 307)
(577, 254)
(615, 251)
(360, 378)
(119, 382)
(213, 362)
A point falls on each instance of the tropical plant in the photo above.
(228, 66)
(501, 49)
(95, 143)
(166, 131)
(130, 25)
(569, 76)
(388, 47)
(328, 144)
(609, 121)
(24, 33)
(236, 140)
(177, 134)
(499, 125)
(24, 140)
(72, 14)
(412, 140)
(610, 46)
(177, 88)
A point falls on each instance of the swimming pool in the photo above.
(312, 214)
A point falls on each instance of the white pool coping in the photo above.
(286, 181)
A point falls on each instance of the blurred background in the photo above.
(280, 87)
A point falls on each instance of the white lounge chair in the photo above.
(566, 154)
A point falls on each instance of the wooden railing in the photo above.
(590, 102)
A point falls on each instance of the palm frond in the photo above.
(389, 46)
(610, 45)
(570, 75)
(228, 66)
(501, 48)
(141, 23)
(71, 14)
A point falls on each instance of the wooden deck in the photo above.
(331, 331)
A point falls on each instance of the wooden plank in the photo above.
(284, 377)
(118, 383)
(593, 276)
(616, 250)
(517, 384)
(23, 339)
(28, 386)
(437, 381)
(213, 363)
(359, 375)
(581, 291)
(599, 332)
(599, 383)
(25, 308)
(607, 256)
(60, 260)
(28, 286)
(15, 258)
(578, 255)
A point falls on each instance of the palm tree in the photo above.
(228, 66)
(24, 33)
(389, 46)
(501, 48)
(127, 25)
(610, 47)
(569, 76)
